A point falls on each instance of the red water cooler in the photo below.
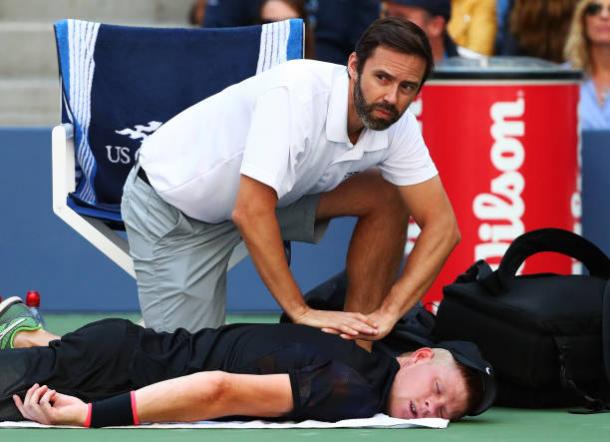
(504, 136)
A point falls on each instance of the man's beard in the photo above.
(365, 110)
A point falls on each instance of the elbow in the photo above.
(255, 201)
(241, 213)
(238, 216)
(453, 235)
(246, 211)
(456, 235)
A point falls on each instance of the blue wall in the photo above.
(596, 188)
(39, 252)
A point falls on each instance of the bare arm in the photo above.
(429, 206)
(215, 394)
(205, 395)
(254, 214)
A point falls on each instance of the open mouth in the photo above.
(413, 409)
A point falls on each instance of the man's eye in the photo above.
(381, 77)
(438, 389)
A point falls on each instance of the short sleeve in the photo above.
(332, 391)
(408, 161)
(267, 151)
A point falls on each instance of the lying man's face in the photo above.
(428, 384)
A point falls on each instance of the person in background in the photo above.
(588, 48)
(503, 8)
(337, 24)
(278, 10)
(430, 15)
(473, 25)
(197, 12)
(539, 28)
(231, 13)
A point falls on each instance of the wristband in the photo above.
(134, 408)
(115, 411)
(87, 422)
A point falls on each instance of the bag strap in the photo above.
(591, 401)
(552, 240)
(476, 272)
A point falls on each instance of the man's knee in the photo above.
(364, 194)
(386, 198)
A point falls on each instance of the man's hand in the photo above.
(384, 322)
(46, 406)
(345, 324)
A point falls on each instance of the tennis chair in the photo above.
(119, 84)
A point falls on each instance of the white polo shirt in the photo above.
(287, 128)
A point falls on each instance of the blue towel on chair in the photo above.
(119, 84)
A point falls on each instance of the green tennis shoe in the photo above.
(15, 316)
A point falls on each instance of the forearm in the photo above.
(214, 394)
(261, 233)
(176, 400)
(432, 248)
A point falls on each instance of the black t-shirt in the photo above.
(331, 378)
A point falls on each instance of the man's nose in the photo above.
(432, 407)
(391, 95)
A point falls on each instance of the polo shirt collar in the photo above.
(336, 120)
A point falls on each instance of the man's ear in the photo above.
(422, 355)
(352, 65)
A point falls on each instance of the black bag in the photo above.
(547, 335)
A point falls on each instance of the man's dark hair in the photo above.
(398, 34)
(474, 387)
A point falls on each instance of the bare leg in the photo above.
(38, 338)
(374, 255)
(378, 242)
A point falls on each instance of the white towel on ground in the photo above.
(377, 421)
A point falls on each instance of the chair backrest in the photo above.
(120, 83)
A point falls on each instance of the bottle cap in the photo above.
(32, 299)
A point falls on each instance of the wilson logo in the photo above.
(502, 208)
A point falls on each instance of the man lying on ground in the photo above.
(113, 372)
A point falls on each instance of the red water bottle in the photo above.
(32, 300)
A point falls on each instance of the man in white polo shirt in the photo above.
(276, 157)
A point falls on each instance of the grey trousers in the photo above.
(181, 263)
